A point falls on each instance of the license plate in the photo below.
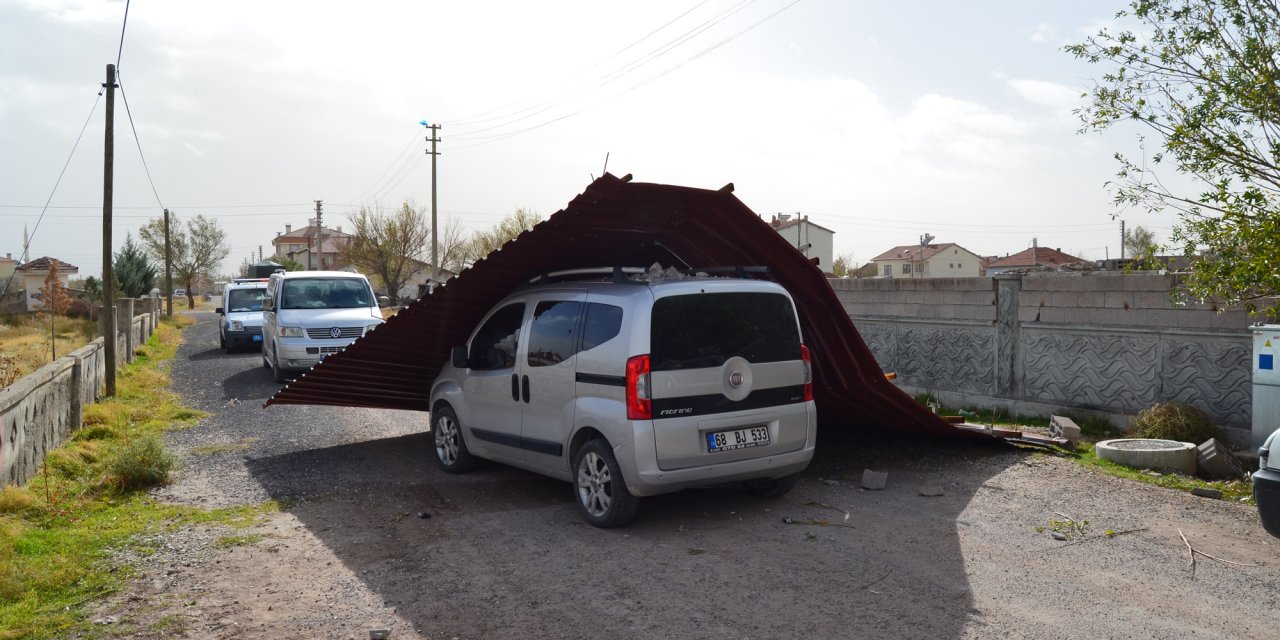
(738, 439)
(257, 338)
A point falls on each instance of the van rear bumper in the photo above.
(652, 482)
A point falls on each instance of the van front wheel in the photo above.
(451, 449)
(602, 496)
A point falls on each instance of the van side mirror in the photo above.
(218, 311)
(458, 356)
(384, 301)
(268, 304)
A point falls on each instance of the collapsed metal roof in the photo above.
(616, 222)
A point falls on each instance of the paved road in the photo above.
(504, 553)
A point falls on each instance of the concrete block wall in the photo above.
(41, 410)
(1108, 343)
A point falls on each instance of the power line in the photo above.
(120, 51)
(399, 159)
(136, 141)
(27, 245)
(181, 206)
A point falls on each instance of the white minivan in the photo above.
(308, 315)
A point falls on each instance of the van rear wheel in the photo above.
(602, 495)
(771, 487)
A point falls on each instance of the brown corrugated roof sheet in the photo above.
(616, 222)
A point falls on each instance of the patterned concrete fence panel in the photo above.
(41, 410)
(1036, 343)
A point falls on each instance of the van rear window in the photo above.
(703, 330)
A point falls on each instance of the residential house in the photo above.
(8, 266)
(311, 246)
(813, 240)
(34, 273)
(1036, 257)
(944, 260)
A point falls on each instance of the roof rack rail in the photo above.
(740, 271)
(619, 274)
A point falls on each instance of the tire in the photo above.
(276, 372)
(771, 487)
(452, 455)
(599, 489)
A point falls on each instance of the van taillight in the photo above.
(639, 405)
(808, 373)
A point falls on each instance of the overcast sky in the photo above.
(879, 120)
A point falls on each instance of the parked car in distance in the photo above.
(308, 315)
(179, 293)
(241, 311)
(631, 386)
(1266, 485)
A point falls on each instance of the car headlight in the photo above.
(237, 325)
(291, 332)
(368, 328)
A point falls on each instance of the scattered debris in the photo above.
(817, 522)
(1067, 528)
(1214, 460)
(1064, 427)
(874, 480)
(1106, 535)
(379, 634)
(693, 551)
(873, 583)
(1205, 492)
(231, 403)
(788, 520)
(424, 514)
(1058, 535)
(1193, 552)
(827, 506)
(831, 483)
(930, 491)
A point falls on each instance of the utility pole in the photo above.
(319, 217)
(1122, 239)
(108, 279)
(435, 243)
(259, 253)
(925, 239)
(168, 269)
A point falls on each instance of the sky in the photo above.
(882, 121)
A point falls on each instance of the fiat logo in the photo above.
(735, 379)
(335, 332)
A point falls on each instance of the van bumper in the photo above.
(1266, 492)
(250, 337)
(300, 354)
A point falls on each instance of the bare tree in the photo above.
(196, 249)
(390, 246)
(1140, 243)
(483, 243)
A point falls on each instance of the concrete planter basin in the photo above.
(1146, 453)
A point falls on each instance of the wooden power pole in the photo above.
(168, 269)
(108, 280)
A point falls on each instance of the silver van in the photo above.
(633, 386)
(308, 315)
(241, 322)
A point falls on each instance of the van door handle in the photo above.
(515, 387)
(524, 387)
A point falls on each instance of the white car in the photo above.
(241, 311)
(308, 315)
(633, 386)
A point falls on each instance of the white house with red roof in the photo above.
(34, 273)
(942, 260)
(317, 248)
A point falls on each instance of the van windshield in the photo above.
(245, 299)
(704, 330)
(325, 293)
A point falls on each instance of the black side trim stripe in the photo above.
(529, 444)
(608, 381)
(717, 403)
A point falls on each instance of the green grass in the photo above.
(239, 540)
(214, 449)
(59, 533)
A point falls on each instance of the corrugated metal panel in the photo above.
(617, 222)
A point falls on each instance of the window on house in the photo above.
(888, 270)
(906, 268)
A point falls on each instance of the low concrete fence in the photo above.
(40, 411)
(1042, 342)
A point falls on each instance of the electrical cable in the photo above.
(123, 26)
(482, 140)
(136, 141)
(394, 162)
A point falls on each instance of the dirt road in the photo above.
(504, 553)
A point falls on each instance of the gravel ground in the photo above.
(503, 553)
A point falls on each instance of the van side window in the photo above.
(604, 322)
(494, 346)
(553, 333)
